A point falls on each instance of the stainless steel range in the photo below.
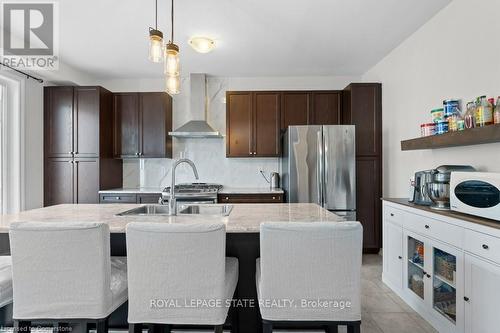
(193, 193)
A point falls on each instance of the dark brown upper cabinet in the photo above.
(295, 108)
(253, 124)
(78, 141)
(239, 124)
(142, 123)
(59, 121)
(266, 139)
(326, 108)
(363, 108)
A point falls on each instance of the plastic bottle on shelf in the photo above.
(470, 116)
(496, 114)
(484, 113)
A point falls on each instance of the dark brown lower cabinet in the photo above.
(120, 197)
(250, 198)
(86, 176)
(59, 181)
(368, 194)
(69, 180)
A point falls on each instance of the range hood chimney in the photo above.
(198, 128)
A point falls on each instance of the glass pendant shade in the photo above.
(172, 61)
(155, 46)
(173, 84)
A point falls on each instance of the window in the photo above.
(11, 143)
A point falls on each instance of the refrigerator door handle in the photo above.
(320, 168)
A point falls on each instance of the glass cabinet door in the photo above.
(444, 292)
(416, 264)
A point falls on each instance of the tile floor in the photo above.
(382, 310)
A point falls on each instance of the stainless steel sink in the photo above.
(213, 210)
(146, 210)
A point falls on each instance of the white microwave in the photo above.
(476, 193)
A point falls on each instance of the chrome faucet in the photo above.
(172, 202)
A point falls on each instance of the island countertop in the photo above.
(244, 218)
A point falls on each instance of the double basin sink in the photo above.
(158, 210)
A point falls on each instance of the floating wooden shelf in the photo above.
(474, 136)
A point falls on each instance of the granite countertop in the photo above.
(250, 190)
(244, 218)
(224, 190)
(448, 213)
(133, 190)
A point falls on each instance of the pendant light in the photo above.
(172, 62)
(155, 40)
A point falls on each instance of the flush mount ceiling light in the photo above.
(202, 44)
(172, 62)
(155, 40)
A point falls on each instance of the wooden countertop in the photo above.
(448, 213)
(244, 218)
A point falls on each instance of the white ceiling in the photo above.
(108, 38)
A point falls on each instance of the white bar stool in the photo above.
(306, 274)
(178, 274)
(5, 280)
(63, 272)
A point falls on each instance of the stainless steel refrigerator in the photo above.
(319, 166)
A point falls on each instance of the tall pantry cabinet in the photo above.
(78, 145)
(362, 107)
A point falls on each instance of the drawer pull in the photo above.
(399, 257)
(274, 198)
(466, 298)
(227, 198)
(118, 198)
(486, 247)
(427, 226)
(428, 275)
(392, 214)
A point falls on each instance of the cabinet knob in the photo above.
(227, 198)
(427, 226)
(428, 275)
(399, 257)
(274, 198)
(486, 247)
(392, 214)
(118, 198)
(466, 298)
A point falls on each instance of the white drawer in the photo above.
(482, 245)
(436, 229)
(394, 215)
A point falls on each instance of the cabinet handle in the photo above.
(427, 226)
(399, 257)
(392, 214)
(428, 275)
(118, 198)
(486, 247)
(466, 298)
(274, 198)
(227, 198)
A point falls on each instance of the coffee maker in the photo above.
(420, 196)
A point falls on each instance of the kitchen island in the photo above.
(242, 240)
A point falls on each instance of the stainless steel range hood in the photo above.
(197, 128)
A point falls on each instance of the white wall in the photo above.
(209, 155)
(455, 55)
